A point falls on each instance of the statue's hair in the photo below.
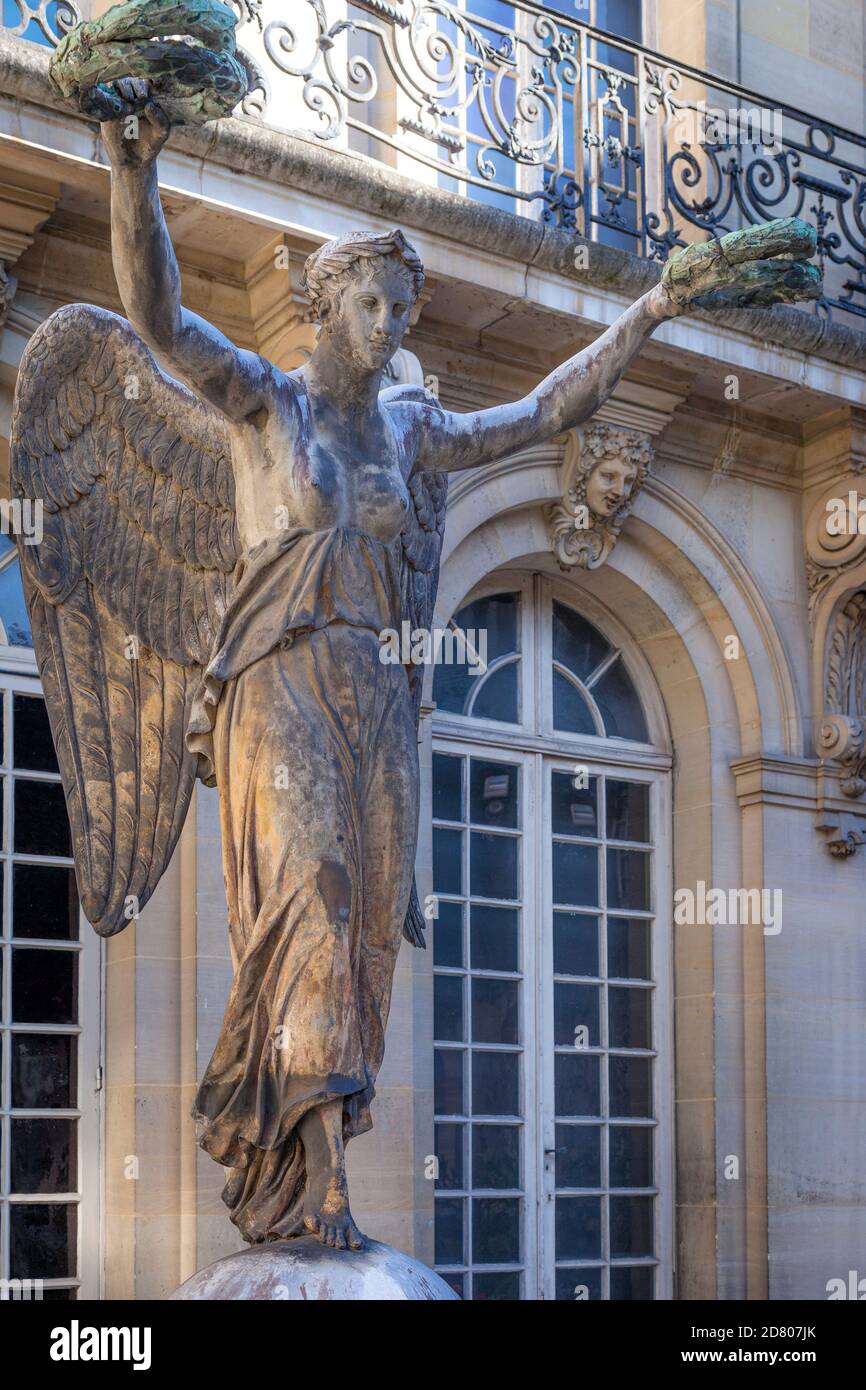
(327, 270)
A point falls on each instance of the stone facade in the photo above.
(742, 621)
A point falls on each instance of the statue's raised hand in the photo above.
(759, 266)
(135, 142)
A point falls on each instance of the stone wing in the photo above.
(125, 589)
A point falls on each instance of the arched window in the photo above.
(550, 1006)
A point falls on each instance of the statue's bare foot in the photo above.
(326, 1204)
(327, 1214)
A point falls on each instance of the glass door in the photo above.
(484, 1023)
(598, 1051)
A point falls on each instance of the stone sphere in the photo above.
(304, 1269)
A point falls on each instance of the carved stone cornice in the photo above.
(583, 527)
(25, 205)
(282, 318)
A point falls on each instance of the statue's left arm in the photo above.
(757, 267)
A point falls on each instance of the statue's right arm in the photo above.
(237, 382)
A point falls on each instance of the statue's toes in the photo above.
(356, 1239)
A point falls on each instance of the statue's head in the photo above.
(363, 288)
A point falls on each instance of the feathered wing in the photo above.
(125, 590)
(421, 544)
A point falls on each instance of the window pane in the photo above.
(447, 861)
(494, 938)
(495, 1156)
(631, 1226)
(578, 1156)
(631, 1156)
(576, 1084)
(499, 695)
(621, 17)
(43, 1071)
(575, 944)
(619, 706)
(501, 1286)
(627, 810)
(576, 643)
(631, 1086)
(448, 1008)
(628, 878)
(44, 902)
(495, 1088)
(581, 1285)
(497, 616)
(493, 793)
(43, 1240)
(578, 1228)
(493, 868)
(574, 810)
(575, 874)
(447, 787)
(494, 1011)
(448, 934)
(32, 735)
(628, 948)
(449, 1152)
(44, 986)
(43, 1155)
(575, 1016)
(448, 1081)
(496, 1230)
(449, 1230)
(629, 1017)
(13, 610)
(571, 713)
(632, 1284)
(41, 822)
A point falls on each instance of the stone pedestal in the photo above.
(304, 1269)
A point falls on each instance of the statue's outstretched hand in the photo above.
(135, 142)
(752, 268)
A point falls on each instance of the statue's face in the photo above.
(609, 486)
(371, 314)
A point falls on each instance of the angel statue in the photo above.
(223, 545)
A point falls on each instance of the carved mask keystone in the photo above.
(603, 470)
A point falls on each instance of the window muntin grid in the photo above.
(601, 1002)
(478, 982)
(41, 957)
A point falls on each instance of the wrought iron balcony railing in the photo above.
(521, 106)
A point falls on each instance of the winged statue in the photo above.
(224, 544)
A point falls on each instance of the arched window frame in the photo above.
(534, 740)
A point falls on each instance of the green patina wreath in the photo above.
(184, 48)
